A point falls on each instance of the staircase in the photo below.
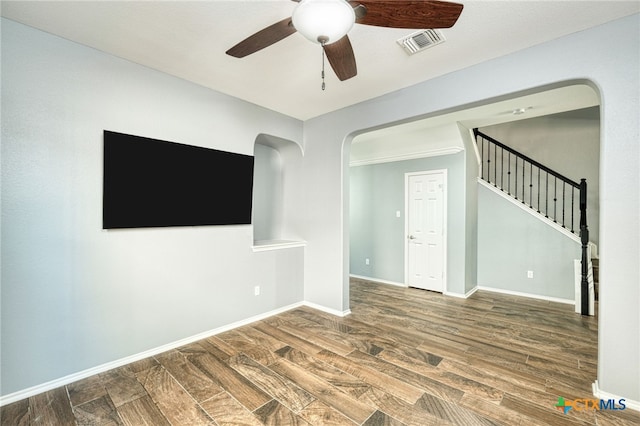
(543, 190)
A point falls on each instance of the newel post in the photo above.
(584, 239)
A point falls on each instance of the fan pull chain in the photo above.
(322, 40)
(323, 86)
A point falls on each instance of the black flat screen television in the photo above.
(154, 183)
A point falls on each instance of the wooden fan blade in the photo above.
(341, 58)
(416, 14)
(263, 38)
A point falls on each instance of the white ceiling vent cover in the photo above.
(421, 40)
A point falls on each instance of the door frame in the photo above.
(444, 224)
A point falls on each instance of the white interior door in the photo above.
(426, 230)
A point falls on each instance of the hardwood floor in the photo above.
(403, 357)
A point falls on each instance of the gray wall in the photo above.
(568, 143)
(267, 194)
(471, 210)
(73, 295)
(512, 241)
(584, 57)
(377, 191)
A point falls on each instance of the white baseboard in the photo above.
(470, 292)
(327, 310)
(377, 280)
(529, 295)
(462, 296)
(63, 381)
(600, 394)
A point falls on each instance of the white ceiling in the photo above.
(188, 39)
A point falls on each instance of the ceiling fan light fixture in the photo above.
(323, 21)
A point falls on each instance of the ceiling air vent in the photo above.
(421, 40)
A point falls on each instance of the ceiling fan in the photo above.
(327, 22)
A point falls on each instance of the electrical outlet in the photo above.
(529, 274)
(256, 290)
(397, 213)
(366, 261)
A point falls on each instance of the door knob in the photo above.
(411, 237)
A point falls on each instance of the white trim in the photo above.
(462, 296)
(476, 151)
(471, 292)
(395, 283)
(445, 191)
(62, 381)
(268, 245)
(327, 310)
(629, 403)
(377, 280)
(403, 157)
(529, 295)
(525, 207)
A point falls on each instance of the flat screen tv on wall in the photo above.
(155, 183)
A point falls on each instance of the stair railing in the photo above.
(544, 190)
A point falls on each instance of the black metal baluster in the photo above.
(523, 170)
(509, 175)
(485, 158)
(538, 190)
(564, 185)
(573, 208)
(555, 198)
(530, 185)
(489, 162)
(516, 181)
(546, 196)
(495, 165)
(502, 171)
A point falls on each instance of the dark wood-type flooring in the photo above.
(403, 357)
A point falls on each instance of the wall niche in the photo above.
(277, 162)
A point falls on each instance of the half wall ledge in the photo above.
(267, 245)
